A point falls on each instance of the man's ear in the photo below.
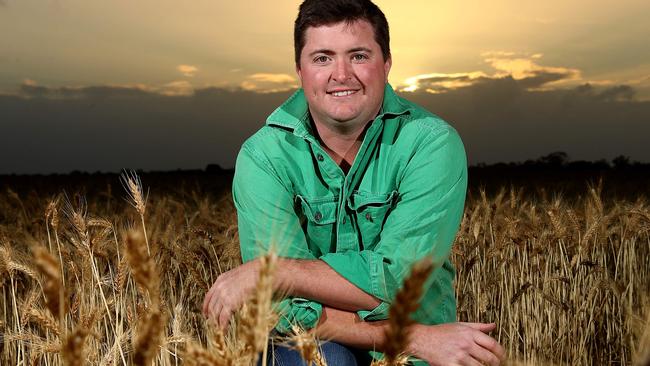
(298, 72)
(387, 64)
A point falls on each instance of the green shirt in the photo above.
(401, 200)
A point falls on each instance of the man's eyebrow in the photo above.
(322, 50)
(330, 52)
(357, 49)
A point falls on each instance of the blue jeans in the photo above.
(335, 354)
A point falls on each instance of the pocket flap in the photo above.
(321, 211)
(360, 199)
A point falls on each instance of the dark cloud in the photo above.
(614, 93)
(501, 120)
(542, 77)
(108, 128)
(29, 89)
(535, 79)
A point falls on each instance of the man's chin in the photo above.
(344, 119)
(343, 114)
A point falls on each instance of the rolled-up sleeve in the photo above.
(267, 221)
(423, 222)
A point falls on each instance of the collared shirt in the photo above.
(401, 200)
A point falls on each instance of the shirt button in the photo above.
(318, 216)
(320, 157)
(368, 216)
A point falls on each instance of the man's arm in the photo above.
(304, 278)
(444, 344)
(315, 280)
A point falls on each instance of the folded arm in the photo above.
(317, 281)
(444, 344)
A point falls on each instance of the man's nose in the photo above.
(342, 71)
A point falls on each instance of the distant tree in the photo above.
(621, 161)
(213, 169)
(557, 158)
(601, 164)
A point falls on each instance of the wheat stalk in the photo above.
(256, 319)
(53, 288)
(406, 302)
(133, 186)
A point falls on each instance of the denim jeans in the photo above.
(335, 354)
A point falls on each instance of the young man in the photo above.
(351, 185)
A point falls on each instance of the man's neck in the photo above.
(342, 146)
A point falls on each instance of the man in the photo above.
(351, 185)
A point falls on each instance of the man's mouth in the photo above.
(342, 93)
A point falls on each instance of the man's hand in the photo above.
(456, 344)
(229, 292)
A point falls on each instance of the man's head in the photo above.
(343, 60)
(315, 13)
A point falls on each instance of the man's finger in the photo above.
(209, 299)
(483, 327)
(469, 361)
(215, 305)
(490, 344)
(224, 318)
(484, 356)
(213, 313)
(206, 301)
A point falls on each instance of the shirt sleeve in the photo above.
(423, 222)
(267, 221)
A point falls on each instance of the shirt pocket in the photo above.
(371, 211)
(318, 222)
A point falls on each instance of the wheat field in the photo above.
(118, 278)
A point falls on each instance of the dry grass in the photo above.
(565, 279)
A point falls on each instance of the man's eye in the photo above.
(321, 59)
(359, 57)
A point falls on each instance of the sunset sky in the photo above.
(58, 56)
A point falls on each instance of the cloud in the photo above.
(644, 80)
(501, 120)
(269, 83)
(30, 89)
(109, 127)
(187, 70)
(435, 83)
(525, 69)
(610, 94)
(176, 88)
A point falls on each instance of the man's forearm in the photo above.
(346, 328)
(317, 281)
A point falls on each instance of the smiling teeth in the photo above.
(343, 93)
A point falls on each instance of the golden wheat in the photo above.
(564, 279)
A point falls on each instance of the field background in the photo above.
(559, 258)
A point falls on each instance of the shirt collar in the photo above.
(293, 114)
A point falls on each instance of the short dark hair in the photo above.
(314, 13)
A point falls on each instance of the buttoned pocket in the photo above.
(319, 218)
(371, 211)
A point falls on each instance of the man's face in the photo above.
(343, 73)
